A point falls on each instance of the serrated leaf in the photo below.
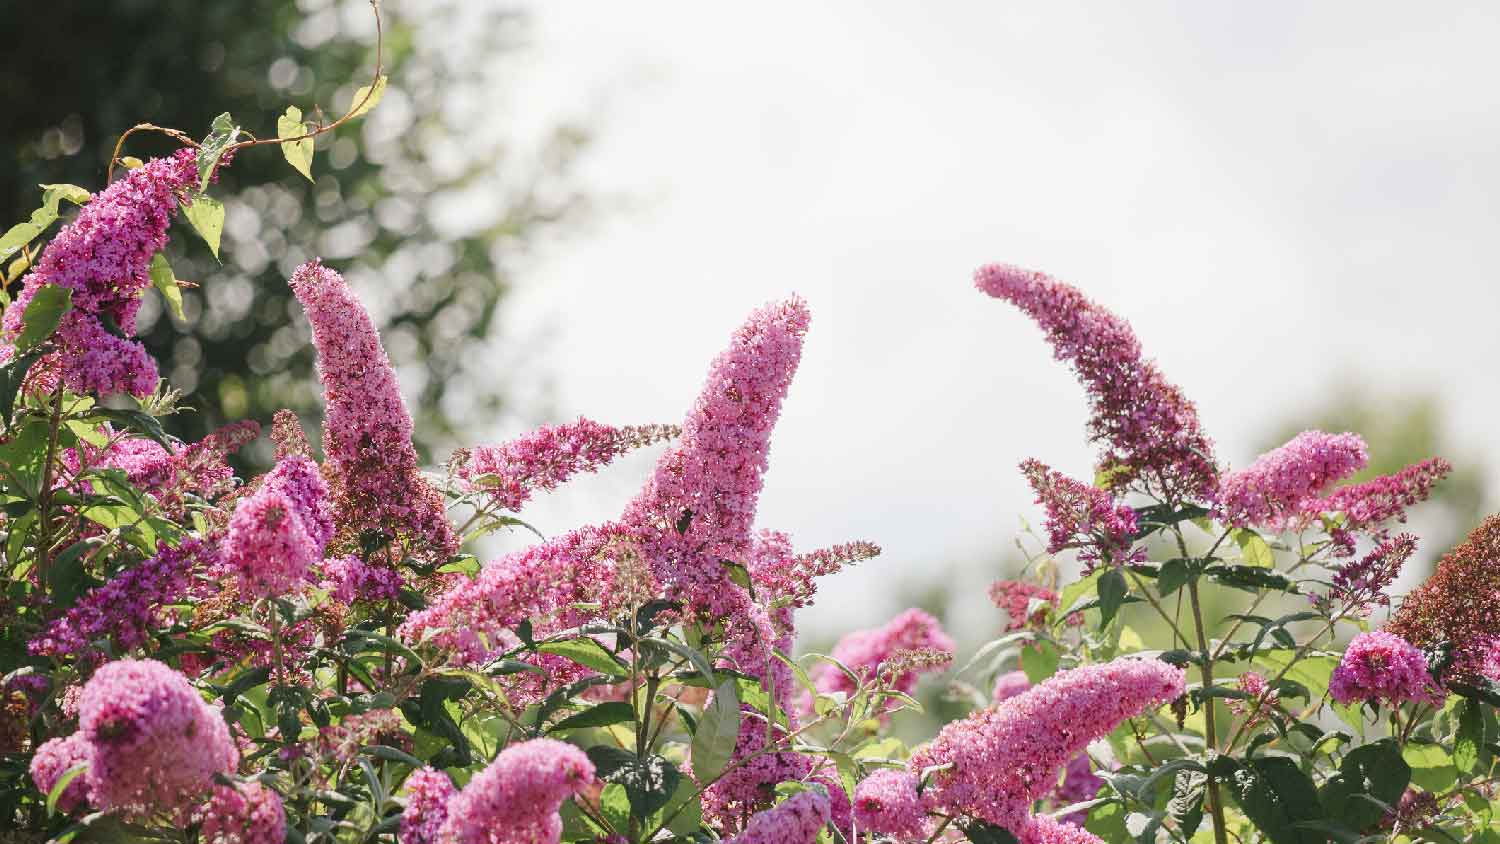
(588, 653)
(713, 743)
(206, 214)
(43, 314)
(1276, 795)
(299, 154)
(165, 281)
(220, 135)
(1186, 804)
(367, 97)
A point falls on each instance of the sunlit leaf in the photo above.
(299, 154)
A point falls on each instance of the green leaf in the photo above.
(740, 575)
(299, 154)
(614, 805)
(43, 314)
(12, 377)
(1040, 660)
(135, 420)
(21, 234)
(391, 754)
(713, 743)
(588, 653)
(65, 575)
(1174, 575)
(23, 457)
(1112, 592)
(649, 783)
(980, 832)
(207, 216)
(1431, 769)
(1077, 592)
(367, 97)
(1254, 549)
(1186, 805)
(56, 792)
(609, 712)
(1468, 745)
(163, 279)
(1374, 770)
(1275, 794)
(1108, 822)
(220, 135)
(1251, 578)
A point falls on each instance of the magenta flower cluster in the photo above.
(1381, 666)
(1386, 498)
(242, 813)
(277, 533)
(508, 474)
(1001, 759)
(1149, 429)
(428, 793)
(1281, 484)
(1083, 517)
(867, 652)
(795, 820)
(516, 798)
(103, 257)
(886, 802)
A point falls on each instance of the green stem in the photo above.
(1221, 832)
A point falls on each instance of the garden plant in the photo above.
(312, 655)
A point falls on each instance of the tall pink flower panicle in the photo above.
(1374, 502)
(1041, 829)
(515, 800)
(1382, 666)
(103, 257)
(750, 784)
(367, 431)
(1083, 517)
(278, 532)
(1149, 429)
(473, 620)
(1005, 757)
(795, 820)
(697, 509)
(1275, 489)
(1361, 584)
(155, 744)
(243, 813)
(886, 802)
(56, 757)
(428, 792)
(866, 652)
(509, 473)
(126, 609)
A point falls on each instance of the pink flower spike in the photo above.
(56, 757)
(1150, 431)
(509, 473)
(1041, 829)
(515, 800)
(1083, 517)
(429, 792)
(1274, 490)
(1381, 666)
(244, 813)
(795, 820)
(866, 652)
(886, 802)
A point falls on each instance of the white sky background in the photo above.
(1276, 195)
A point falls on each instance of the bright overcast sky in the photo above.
(1276, 195)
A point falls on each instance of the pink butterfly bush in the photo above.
(508, 474)
(375, 479)
(1040, 829)
(1149, 430)
(516, 798)
(56, 757)
(154, 743)
(428, 792)
(1015, 597)
(1360, 585)
(242, 813)
(886, 802)
(795, 820)
(1005, 757)
(277, 533)
(1083, 517)
(866, 652)
(1280, 484)
(103, 257)
(1381, 666)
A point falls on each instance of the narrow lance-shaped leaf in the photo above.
(713, 743)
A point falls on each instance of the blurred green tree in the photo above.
(429, 206)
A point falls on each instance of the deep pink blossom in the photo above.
(1361, 584)
(349, 579)
(866, 652)
(103, 257)
(1277, 488)
(795, 820)
(279, 531)
(509, 473)
(155, 744)
(1382, 666)
(789, 576)
(56, 757)
(1149, 429)
(1005, 757)
(699, 506)
(1016, 597)
(1041, 829)
(1374, 502)
(886, 802)
(515, 800)
(367, 431)
(428, 792)
(243, 813)
(127, 608)
(1083, 517)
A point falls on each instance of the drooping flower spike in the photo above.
(104, 257)
(1149, 430)
(278, 533)
(376, 483)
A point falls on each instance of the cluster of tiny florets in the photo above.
(1278, 487)
(516, 799)
(1381, 666)
(508, 474)
(1456, 606)
(1083, 517)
